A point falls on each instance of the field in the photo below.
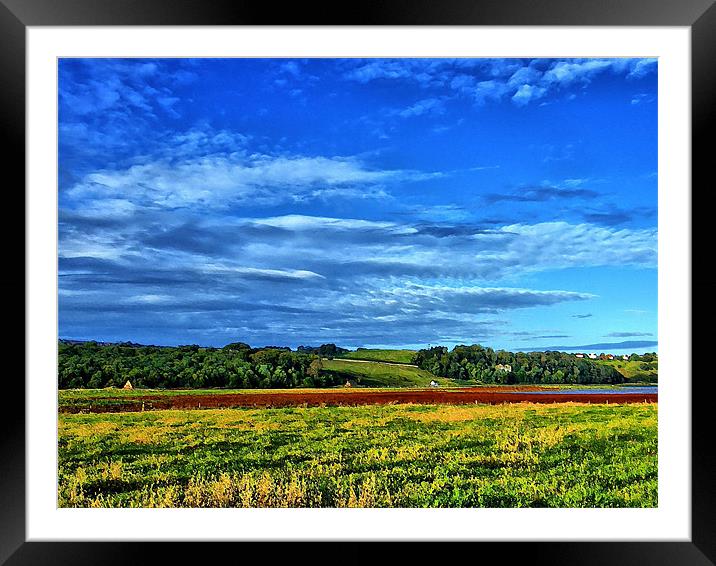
(390, 440)
(637, 371)
(111, 398)
(394, 356)
(511, 455)
(117, 400)
(380, 374)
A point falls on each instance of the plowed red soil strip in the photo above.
(296, 399)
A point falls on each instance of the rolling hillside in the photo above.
(635, 371)
(379, 374)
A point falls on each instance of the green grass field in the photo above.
(377, 374)
(519, 455)
(394, 356)
(637, 371)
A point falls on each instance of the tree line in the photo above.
(486, 365)
(237, 365)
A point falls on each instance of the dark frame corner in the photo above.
(699, 15)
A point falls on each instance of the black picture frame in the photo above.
(699, 15)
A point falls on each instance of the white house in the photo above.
(592, 356)
(579, 355)
(625, 357)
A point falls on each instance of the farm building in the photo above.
(128, 385)
(592, 356)
(579, 355)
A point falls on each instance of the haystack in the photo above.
(128, 385)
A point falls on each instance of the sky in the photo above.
(363, 202)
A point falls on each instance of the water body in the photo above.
(615, 391)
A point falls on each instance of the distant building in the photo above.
(505, 367)
(592, 356)
(610, 356)
(128, 385)
(625, 357)
(579, 355)
(433, 383)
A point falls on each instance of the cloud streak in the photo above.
(220, 181)
(627, 334)
(540, 194)
(371, 271)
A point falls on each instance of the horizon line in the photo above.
(617, 345)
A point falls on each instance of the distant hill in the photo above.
(635, 370)
(380, 374)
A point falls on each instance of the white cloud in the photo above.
(150, 299)
(526, 93)
(299, 222)
(495, 79)
(291, 67)
(564, 72)
(361, 248)
(489, 90)
(555, 245)
(425, 106)
(253, 271)
(220, 180)
(524, 75)
(348, 280)
(642, 67)
(114, 86)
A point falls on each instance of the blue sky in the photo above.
(376, 202)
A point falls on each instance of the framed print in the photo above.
(424, 263)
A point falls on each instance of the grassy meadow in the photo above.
(380, 374)
(374, 355)
(512, 455)
(636, 371)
